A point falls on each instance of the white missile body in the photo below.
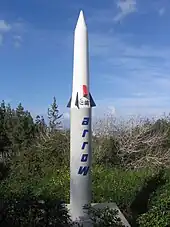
(80, 125)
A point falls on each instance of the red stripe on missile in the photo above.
(85, 90)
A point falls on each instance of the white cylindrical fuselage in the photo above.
(80, 161)
(80, 128)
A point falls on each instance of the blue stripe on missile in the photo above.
(83, 170)
(85, 121)
(84, 144)
(84, 132)
(84, 158)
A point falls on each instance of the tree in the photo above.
(54, 116)
(40, 124)
(4, 140)
(23, 128)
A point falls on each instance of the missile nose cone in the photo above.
(81, 21)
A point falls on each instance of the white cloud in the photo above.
(139, 74)
(17, 40)
(161, 11)
(1, 39)
(112, 110)
(149, 105)
(4, 26)
(65, 120)
(14, 30)
(66, 116)
(101, 44)
(17, 44)
(100, 16)
(125, 7)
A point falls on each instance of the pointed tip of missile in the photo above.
(81, 21)
(81, 14)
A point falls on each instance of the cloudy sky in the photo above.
(129, 54)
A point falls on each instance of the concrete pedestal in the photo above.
(88, 223)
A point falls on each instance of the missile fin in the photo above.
(69, 103)
(77, 101)
(92, 103)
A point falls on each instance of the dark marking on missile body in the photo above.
(84, 157)
(84, 132)
(83, 170)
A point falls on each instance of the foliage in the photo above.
(134, 143)
(105, 217)
(30, 210)
(43, 168)
(116, 185)
(54, 116)
(109, 185)
(33, 211)
(156, 217)
(105, 151)
(40, 125)
(127, 158)
(52, 181)
(16, 131)
(158, 214)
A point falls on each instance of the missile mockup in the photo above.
(80, 105)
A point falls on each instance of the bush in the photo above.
(105, 217)
(116, 185)
(156, 217)
(105, 151)
(29, 210)
(134, 143)
(38, 170)
(158, 214)
(54, 184)
(108, 185)
(32, 211)
(42, 168)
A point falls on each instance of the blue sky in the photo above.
(129, 54)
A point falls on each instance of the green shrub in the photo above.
(105, 151)
(29, 210)
(108, 185)
(116, 185)
(105, 217)
(33, 211)
(155, 217)
(158, 214)
(55, 183)
(39, 172)
(41, 169)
